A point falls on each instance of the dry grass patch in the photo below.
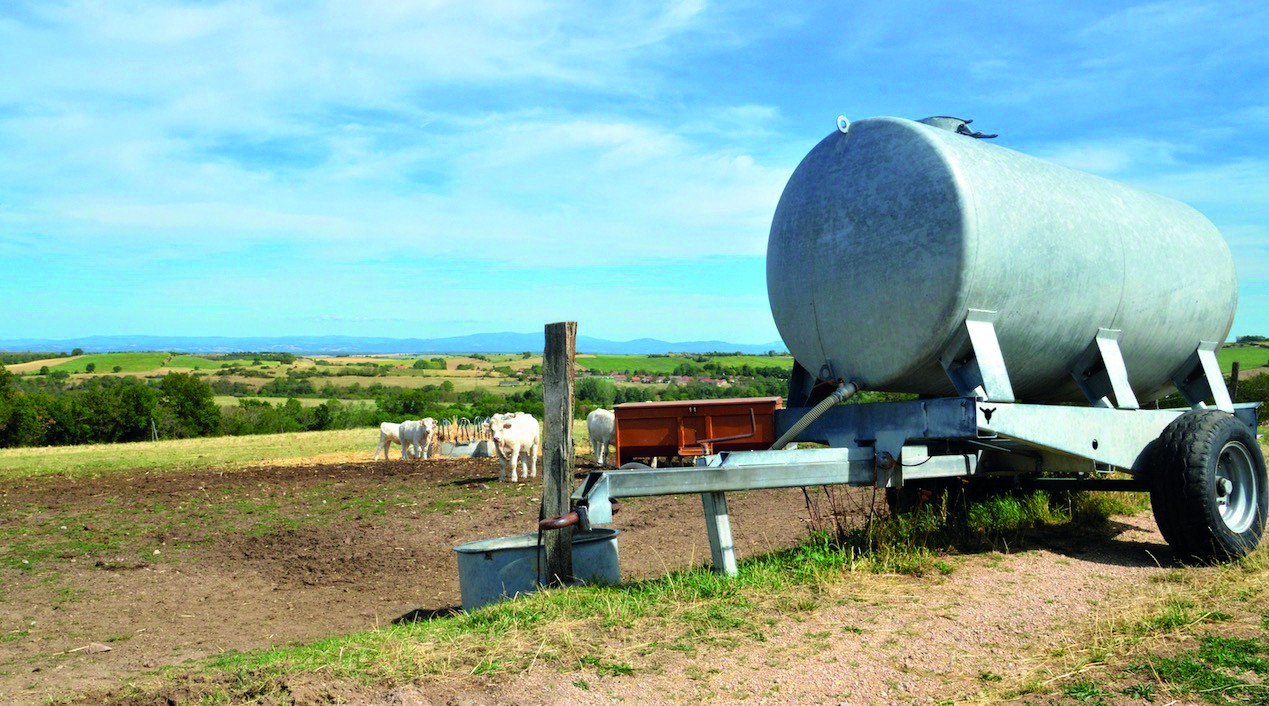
(33, 366)
(1178, 610)
(183, 454)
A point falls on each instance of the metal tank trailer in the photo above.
(1032, 308)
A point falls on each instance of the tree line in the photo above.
(48, 410)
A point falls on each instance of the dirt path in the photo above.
(914, 642)
(167, 567)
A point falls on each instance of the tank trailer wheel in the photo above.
(1208, 487)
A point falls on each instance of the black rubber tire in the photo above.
(1184, 486)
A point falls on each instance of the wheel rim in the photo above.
(1237, 487)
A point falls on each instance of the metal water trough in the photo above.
(913, 257)
(491, 570)
(480, 448)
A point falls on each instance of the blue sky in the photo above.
(442, 168)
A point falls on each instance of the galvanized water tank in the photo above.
(890, 231)
(491, 570)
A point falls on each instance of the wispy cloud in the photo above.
(616, 162)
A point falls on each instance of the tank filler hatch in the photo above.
(959, 126)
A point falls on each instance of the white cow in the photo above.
(515, 434)
(389, 434)
(490, 423)
(416, 438)
(602, 427)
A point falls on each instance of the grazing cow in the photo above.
(514, 434)
(416, 438)
(602, 427)
(389, 434)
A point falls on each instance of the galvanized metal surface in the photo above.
(852, 424)
(1238, 488)
(482, 448)
(491, 570)
(889, 232)
(1111, 436)
(716, 475)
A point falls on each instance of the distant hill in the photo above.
(334, 345)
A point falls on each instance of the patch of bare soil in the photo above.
(313, 573)
(912, 642)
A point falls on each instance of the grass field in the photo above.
(105, 362)
(34, 365)
(597, 634)
(408, 381)
(181, 454)
(594, 634)
(231, 401)
(197, 363)
(1248, 357)
(132, 362)
(617, 363)
(184, 454)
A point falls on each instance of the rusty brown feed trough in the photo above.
(694, 427)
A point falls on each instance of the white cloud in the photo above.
(330, 137)
(1241, 183)
(1110, 156)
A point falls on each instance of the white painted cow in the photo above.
(602, 427)
(389, 434)
(416, 438)
(513, 435)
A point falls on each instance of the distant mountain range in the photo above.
(335, 345)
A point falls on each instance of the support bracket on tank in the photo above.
(973, 360)
(1100, 372)
(1200, 379)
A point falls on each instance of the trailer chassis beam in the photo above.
(714, 476)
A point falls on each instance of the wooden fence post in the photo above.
(557, 446)
(1233, 382)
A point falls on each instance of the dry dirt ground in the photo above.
(909, 642)
(218, 560)
(167, 567)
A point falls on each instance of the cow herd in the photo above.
(516, 438)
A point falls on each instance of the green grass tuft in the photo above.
(1223, 670)
(1084, 691)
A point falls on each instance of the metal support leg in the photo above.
(718, 524)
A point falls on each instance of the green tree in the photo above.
(90, 368)
(117, 369)
(43, 370)
(21, 415)
(118, 412)
(77, 351)
(592, 393)
(188, 406)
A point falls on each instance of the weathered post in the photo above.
(557, 446)
(1233, 382)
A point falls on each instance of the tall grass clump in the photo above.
(952, 519)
